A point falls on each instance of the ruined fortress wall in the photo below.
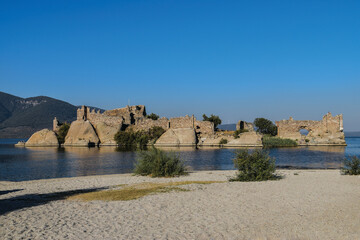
(134, 116)
(182, 122)
(327, 130)
(204, 127)
(85, 113)
(147, 123)
(131, 114)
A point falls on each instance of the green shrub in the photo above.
(213, 118)
(138, 138)
(158, 163)
(307, 140)
(62, 132)
(156, 132)
(153, 116)
(223, 141)
(273, 142)
(351, 166)
(254, 166)
(238, 132)
(265, 126)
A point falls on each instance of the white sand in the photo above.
(319, 204)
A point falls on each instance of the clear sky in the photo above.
(236, 59)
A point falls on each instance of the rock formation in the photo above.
(177, 137)
(43, 138)
(246, 139)
(81, 133)
(106, 133)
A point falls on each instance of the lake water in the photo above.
(19, 164)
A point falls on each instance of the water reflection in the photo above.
(36, 163)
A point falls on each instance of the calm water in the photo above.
(18, 164)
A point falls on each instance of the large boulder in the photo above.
(106, 133)
(43, 138)
(177, 137)
(246, 139)
(81, 133)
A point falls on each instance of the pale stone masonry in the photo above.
(328, 131)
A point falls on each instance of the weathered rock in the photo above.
(246, 139)
(106, 133)
(177, 137)
(81, 133)
(43, 138)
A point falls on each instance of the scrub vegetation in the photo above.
(351, 166)
(274, 142)
(158, 163)
(254, 166)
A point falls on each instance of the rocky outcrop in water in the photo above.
(177, 137)
(81, 133)
(43, 138)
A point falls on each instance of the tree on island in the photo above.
(265, 126)
(215, 119)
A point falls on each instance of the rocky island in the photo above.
(93, 128)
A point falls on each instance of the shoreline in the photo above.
(278, 168)
(305, 204)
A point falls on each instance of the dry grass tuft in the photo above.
(135, 191)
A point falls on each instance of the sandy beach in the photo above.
(305, 204)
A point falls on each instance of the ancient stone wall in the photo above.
(204, 127)
(127, 115)
(147, 123)
(131, 114)
(328, 131)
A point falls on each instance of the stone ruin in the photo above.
(96, 128)
(328, 131)
(100, 128)
(247, 126)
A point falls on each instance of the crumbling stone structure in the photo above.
(242, 125)
(106, 124)
(328, 131)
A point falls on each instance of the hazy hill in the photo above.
(20, 117)
(229, 127)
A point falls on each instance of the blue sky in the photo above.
(236, 59)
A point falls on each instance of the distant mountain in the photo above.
(352, 134)
(229, 127)
(21, 117)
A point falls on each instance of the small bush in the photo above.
(223, 141)
(273, 142)
(238, 132)
(307, 140)
(62, 132)
(158, 163)
(156, 132)
(351, 166)
(255, 166)
(153, 116)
